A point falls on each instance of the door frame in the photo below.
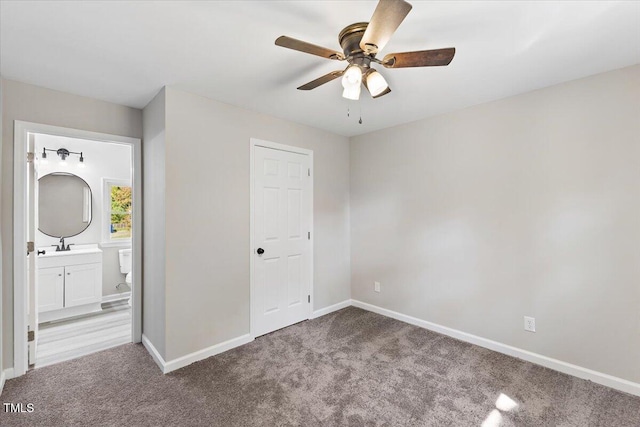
(253, 143)
(20, 303)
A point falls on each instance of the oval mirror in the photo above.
(64, 204)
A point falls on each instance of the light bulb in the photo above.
(352, 77)
(352, 92)
(376, 83)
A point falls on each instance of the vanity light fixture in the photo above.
(63, 153)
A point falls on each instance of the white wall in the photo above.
(524, 206)
(21, 101)
(101, 160)
(153, 224)
(207, 217)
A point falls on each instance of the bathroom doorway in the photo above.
(77, 252)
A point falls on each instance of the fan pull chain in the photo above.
(349, 113)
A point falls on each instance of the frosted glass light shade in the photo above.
(352, 77)
(351, 82)
(352, 93)
(376, 83)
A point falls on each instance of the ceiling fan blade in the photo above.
(301, 46)
(321, 80)
(364, 82)
(386, 19)
(420, 58)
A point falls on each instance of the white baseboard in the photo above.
(116, 297)
(330, 309)
(557, 365)
(5, 375)
(548, 362)
(190, 358)
(8, 374)
(155, 354)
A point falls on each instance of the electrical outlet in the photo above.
(376, 286)
(529, 324)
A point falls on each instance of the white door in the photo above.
(50, 289)
(82, 284)
(282, 206)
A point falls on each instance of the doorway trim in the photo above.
(20, 140)
(253, 143)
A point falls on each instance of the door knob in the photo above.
(260, 251)
(42, 252)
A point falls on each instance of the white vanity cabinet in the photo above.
(69, 283)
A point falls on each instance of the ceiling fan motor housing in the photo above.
(349, 39)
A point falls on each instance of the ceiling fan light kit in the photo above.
(360, 43)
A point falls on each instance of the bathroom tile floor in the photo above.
(69, 339)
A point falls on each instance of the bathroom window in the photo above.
(117, 213)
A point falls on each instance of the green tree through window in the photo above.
(120, 212)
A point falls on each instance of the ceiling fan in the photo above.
(360, 43)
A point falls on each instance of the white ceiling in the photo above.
(124, 52)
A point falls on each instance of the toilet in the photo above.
(124, 256)
(125, 264)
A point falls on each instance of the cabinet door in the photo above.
(50, 289)
(82, 284)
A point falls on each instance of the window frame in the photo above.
(107, 241)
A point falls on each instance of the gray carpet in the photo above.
(349, 368)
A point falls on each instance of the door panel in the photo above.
(271, 285)
(282, 220)
(294, 280)
(294, 213)
(82, 284)
(51, 289)
(270, 213)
